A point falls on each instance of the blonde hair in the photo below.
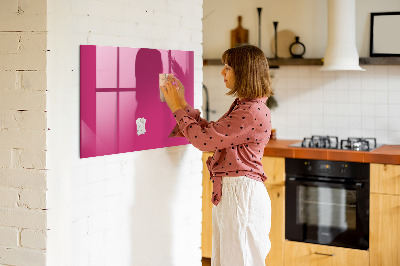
(250, 66)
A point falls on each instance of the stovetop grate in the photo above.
(332, 142)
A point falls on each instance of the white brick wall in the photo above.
(112, 210)
(9, 237)
(140, 208)
(11, 256)
(23, 132)
(34, 239)
(23, 218)
(8, 197)
(23, 178)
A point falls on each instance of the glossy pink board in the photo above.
(120, 85)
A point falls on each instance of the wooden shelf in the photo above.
(273, 63)
(380, 61)
(212, 62)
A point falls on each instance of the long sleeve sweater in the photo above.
(238, 139)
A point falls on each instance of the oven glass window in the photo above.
(326, 207)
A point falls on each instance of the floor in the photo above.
(206, 261)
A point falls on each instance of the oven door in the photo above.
(327, 213)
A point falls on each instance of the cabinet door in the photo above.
(385, 178)
(304, 254)
(274, 168)
(384, 230)
(206, 226)
(277, 233)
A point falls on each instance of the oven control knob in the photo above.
(308, 166)
(343, 168)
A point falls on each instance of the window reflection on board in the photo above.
(120, 106)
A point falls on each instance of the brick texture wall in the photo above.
(139, 208)
(23, 119)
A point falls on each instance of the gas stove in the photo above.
(332, 142)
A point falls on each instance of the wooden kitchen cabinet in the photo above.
(277, 233)
(274, 168)
(305, 254)
(384, 236)
(385, 215)
(206, 225)
(385, 178)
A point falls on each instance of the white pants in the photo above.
(241, 223)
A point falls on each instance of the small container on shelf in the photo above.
(297, 49)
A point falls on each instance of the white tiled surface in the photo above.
(342, 103)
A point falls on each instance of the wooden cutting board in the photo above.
(239, 35)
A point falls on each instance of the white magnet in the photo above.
(141, 126)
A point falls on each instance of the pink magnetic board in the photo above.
(120, 104)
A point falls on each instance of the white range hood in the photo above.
(341, 51)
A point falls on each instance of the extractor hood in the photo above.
(341, 51)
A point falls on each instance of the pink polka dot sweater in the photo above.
(238, 139)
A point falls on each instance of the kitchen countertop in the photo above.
(389, 154)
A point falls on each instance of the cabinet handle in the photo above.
(324, 254)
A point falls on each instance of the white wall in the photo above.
(140, 208)
(23, 133)
(311, 102)
(306, 19)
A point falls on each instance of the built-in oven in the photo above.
(327, 202)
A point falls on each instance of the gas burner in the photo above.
(358, 144)
(327, 142)
(332, 142)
